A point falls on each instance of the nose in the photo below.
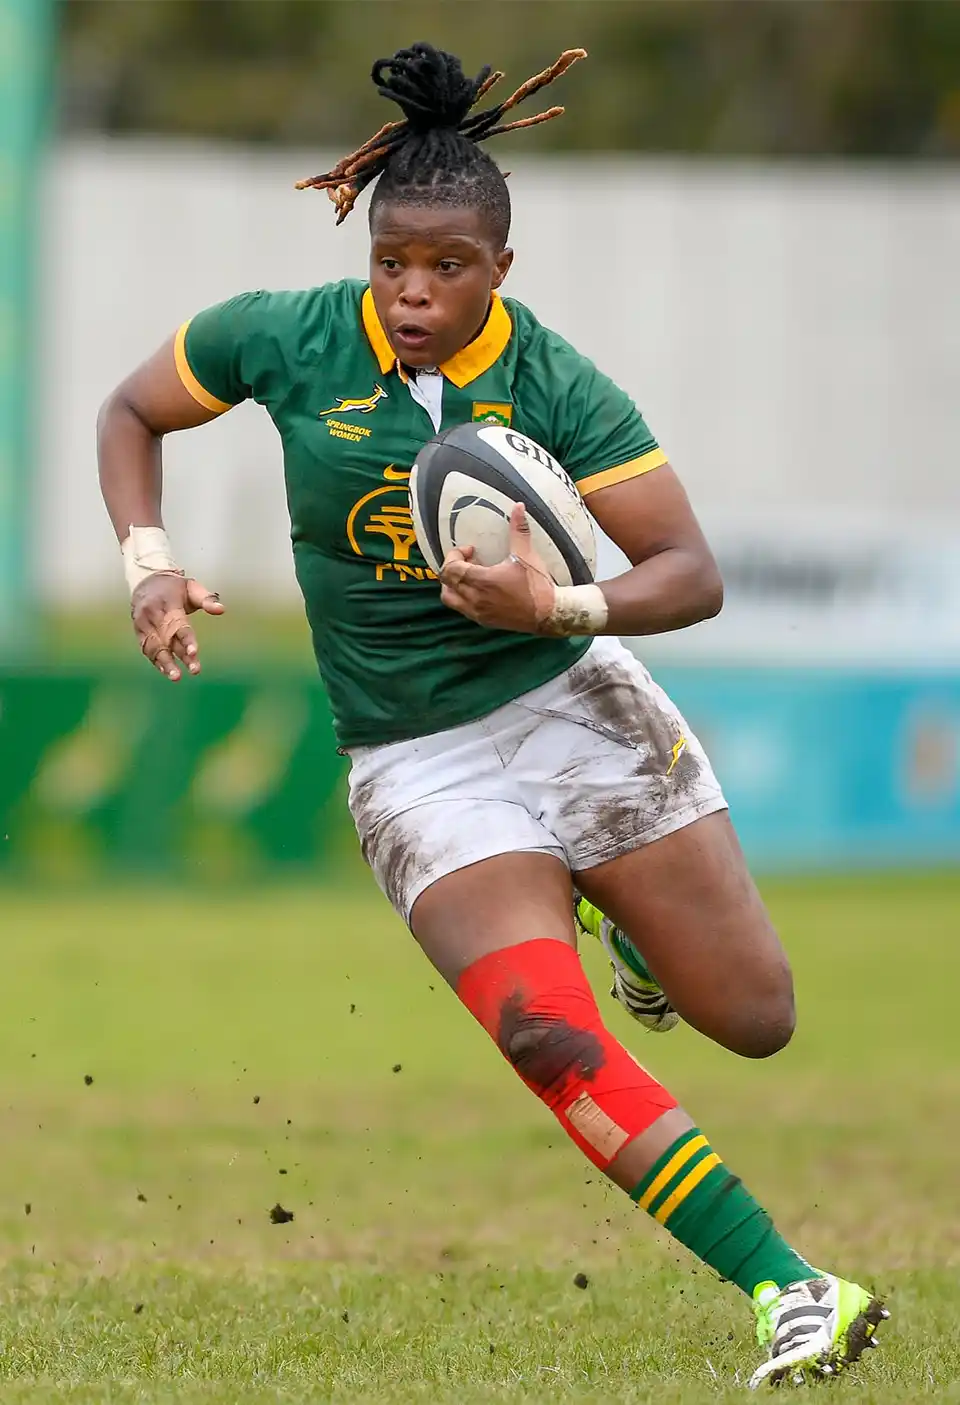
(415, 291)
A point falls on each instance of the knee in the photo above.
(768, 1023)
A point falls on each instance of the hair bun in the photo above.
(429, 86)
(439, 137)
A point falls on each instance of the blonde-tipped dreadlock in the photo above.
(432, 156)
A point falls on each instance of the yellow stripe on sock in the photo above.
(670, 1170)
(688, 1183)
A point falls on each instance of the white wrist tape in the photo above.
(146, 552)
(577, 609)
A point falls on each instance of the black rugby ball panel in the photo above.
(427, 471)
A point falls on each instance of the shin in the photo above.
(535, 1002)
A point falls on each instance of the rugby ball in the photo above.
(464, 485)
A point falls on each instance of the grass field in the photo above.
(292, 1048)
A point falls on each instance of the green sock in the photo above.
(691, 1193)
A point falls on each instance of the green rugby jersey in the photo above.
(395, 661)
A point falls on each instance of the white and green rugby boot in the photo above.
(813, 1329)
(633, 984)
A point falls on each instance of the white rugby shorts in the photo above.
(589, 766)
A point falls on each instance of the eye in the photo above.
(391, 265)
(449, 265)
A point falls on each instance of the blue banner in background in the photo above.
(831, 768)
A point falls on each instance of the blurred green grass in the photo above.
(291, 1046)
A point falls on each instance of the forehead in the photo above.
(398, 222)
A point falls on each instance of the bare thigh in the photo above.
(691, 907)
(492, 904)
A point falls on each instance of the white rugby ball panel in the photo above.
(464, 483)
(471, 515)
(481, 519)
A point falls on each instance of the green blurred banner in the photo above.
(214, 779)
(26, 45)
(230, 779)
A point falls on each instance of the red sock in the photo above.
(535, 1002)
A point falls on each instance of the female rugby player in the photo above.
(504, 746)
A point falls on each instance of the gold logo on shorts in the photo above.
(679, 747)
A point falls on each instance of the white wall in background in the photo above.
(792, 332)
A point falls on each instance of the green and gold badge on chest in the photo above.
(492, 412)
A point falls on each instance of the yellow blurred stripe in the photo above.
(202, 397)
(607, 477)
(679, 1159)
(689, 1182)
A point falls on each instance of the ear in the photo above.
(502, 266)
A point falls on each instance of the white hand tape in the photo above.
(577, 609)
(146, 552)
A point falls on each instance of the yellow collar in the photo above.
(461, 369)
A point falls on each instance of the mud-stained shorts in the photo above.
(589, 766)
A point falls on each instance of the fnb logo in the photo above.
(380, 522)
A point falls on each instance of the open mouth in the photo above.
(412, 337)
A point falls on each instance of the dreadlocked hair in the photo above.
(433, 155)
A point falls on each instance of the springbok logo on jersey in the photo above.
(356, 407)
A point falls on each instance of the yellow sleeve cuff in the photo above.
(190, 382)
(609, 476)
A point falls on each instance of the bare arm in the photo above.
(674, 581)
(150, 403)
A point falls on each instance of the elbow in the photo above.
(710, 594)
(111, 407)
(119, 406)
(106, 416)
(117, 420)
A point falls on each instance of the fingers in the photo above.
(522, 549)
(463, 597)
(153, 648)
(168, 643)
(521, 543)
(519, 528)
(159, 607)
(456, 567)
(200, 598)
(516, 594)
(184, 645)
(168, 666)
